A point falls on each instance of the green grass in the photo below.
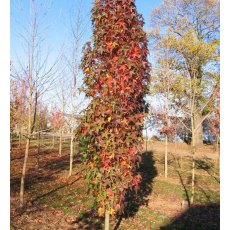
(70, 199)
(145, 219)
(73, 200)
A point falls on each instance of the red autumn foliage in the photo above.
(116, 75)
(56, 119)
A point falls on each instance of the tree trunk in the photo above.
(38, 150)
(20, 138)
(42, 139)
(60, 144)
(11, 140)
(166, 156)
(193, 163)
(53, 140)
(193, 180)
(106, 220)
(217, 150)
(24, 171)
(198, 132)
(71, 154)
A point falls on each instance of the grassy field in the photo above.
(57, 202)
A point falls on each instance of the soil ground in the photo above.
(54, 201)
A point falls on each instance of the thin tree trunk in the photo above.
(19, 138)
(217, 150)
(11, 141)
(193, 180)
(60, 144)
(74, 147)
(53, 141)
(24, 171)
(38, 150)
(42, 139)
(29, 135)
(106, 220)
(71, 155)
(193, 164)
(166, 156)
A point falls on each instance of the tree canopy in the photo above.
(116, 78)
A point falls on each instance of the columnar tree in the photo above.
(116, 77)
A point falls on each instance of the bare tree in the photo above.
(163, 79)
(36, 67)
(79, 27)
(62, 93)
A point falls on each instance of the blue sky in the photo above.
(56, 28)
(57, 20)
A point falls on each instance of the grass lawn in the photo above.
(57, 202)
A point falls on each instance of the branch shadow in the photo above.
(208, 167)
(186, 182)
(47, 172)
(186, 191)
(56, 189)
(198, 217)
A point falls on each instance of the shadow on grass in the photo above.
(186, 191)
(57, 188)
(134, 200)
(198, 217)
(207, 166)
(91, 220)
(186, 182)
(202, 164)
(46, 173)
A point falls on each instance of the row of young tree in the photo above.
(184, 39)
(45, 96)
(185, 76)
